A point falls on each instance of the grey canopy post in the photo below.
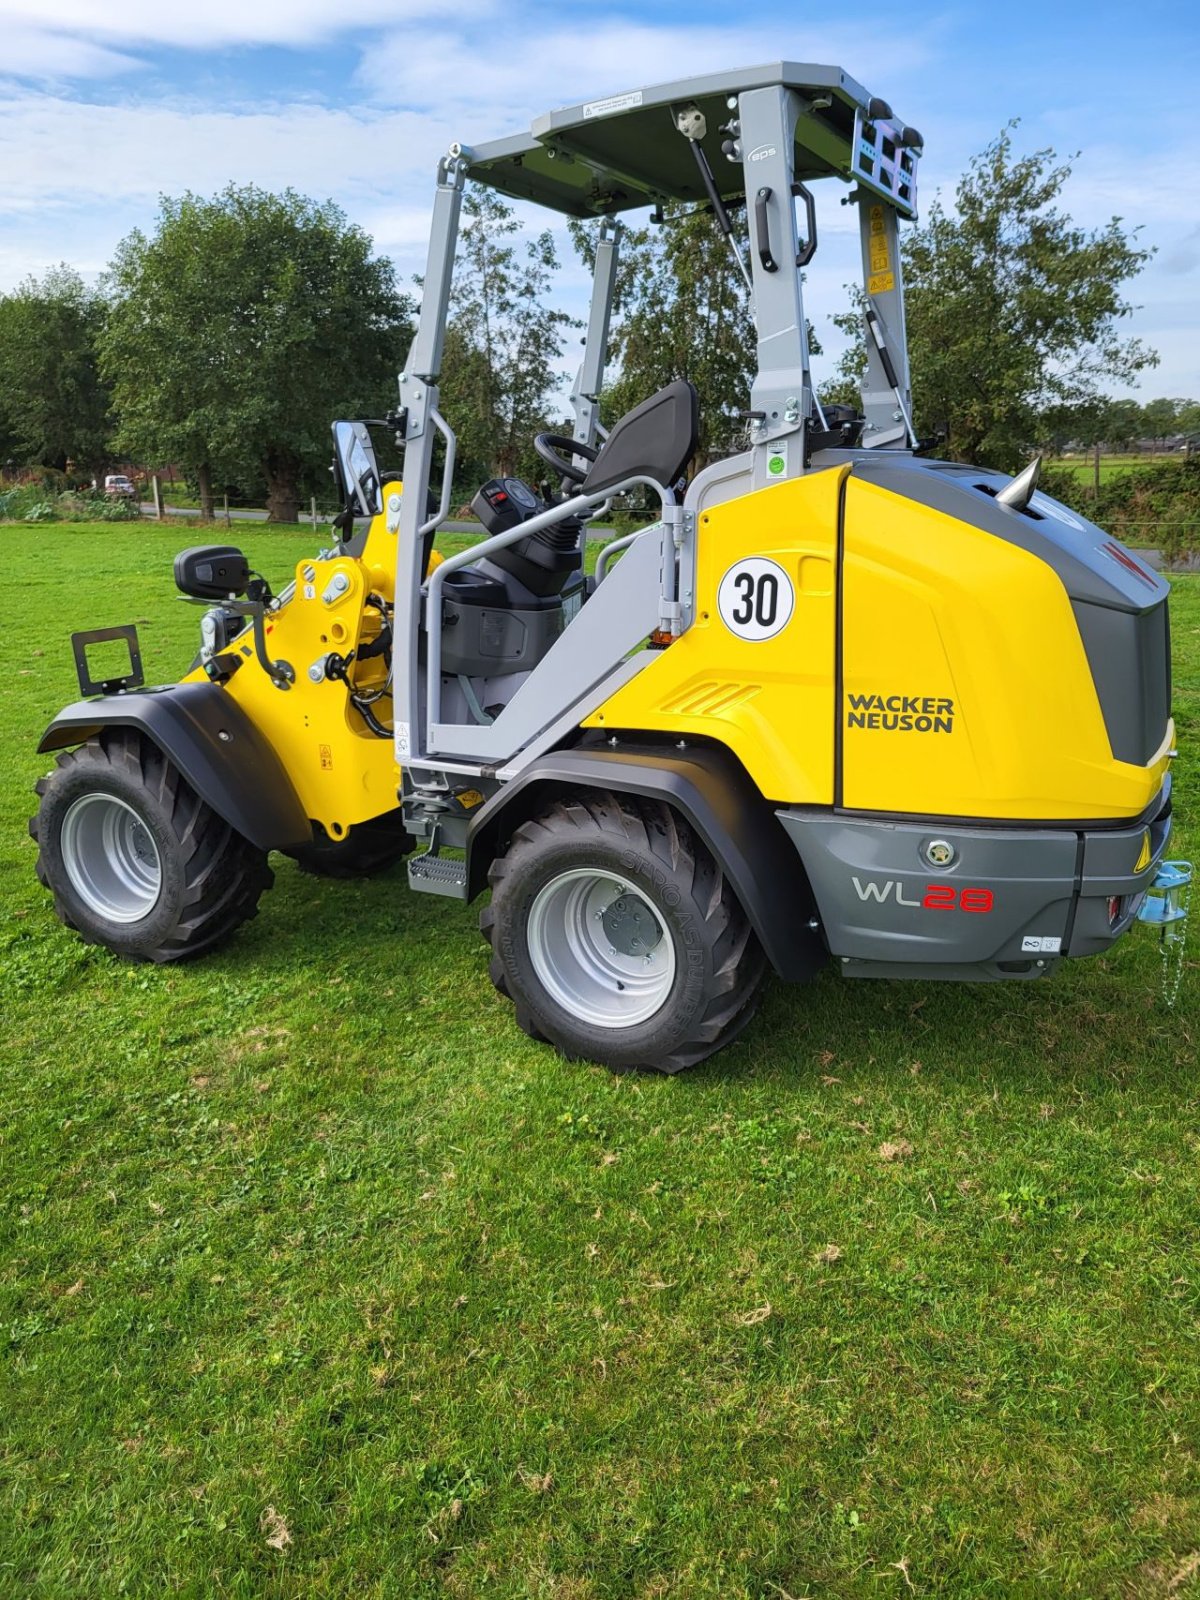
(886, 392)
(585, 396)
(419, 405)
(781, 396)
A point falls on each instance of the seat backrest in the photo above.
(655, 440)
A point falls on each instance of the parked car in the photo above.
(118, 484)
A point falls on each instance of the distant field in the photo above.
(1111, 466)
(318, 1278)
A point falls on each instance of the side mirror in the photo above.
(212, 572)
(356, 469)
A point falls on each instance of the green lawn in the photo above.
(318, 1278)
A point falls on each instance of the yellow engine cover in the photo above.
(967, 690)
(770, 700)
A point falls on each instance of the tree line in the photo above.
(226, 339)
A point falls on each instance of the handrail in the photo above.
(447, 433)
(616, 546)
(477, 552)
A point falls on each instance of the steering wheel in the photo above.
(556, 451)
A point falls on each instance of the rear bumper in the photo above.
(1010, 903)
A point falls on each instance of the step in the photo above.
(435, 874)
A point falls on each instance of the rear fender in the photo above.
(220, 752)
(710, 789)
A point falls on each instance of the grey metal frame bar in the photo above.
(419, 402)
(585, 395)
(781, 395)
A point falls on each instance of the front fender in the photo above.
(219, 751)
(711, 790)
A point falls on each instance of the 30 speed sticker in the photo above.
(756, 598)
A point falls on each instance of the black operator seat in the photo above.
(655, 440)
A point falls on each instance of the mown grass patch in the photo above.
(318, 1277)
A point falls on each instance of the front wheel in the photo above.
(617, 937)
(135, 859)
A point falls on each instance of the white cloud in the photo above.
(448, 71)
(32, 52)
(76, 177)
(56, 152)
(77, 37)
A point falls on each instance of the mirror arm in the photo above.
(281, 673)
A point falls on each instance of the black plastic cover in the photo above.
(212, 571)
(655, 440)
(1130, 657)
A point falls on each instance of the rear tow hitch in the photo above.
(1166, 908)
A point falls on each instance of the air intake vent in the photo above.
(710, 699)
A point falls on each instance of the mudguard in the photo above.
(216, 747)
(710, 789)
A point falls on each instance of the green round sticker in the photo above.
(776, 465)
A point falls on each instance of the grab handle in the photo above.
(809, 248)
(762, 229)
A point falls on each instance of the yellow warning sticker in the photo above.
(880, 276)
(1144, 858)
(326, 753)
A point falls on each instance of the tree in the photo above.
(682, 311)
(241, 329)
(1160, 418)
(502, 343)
(54, 406)
(1188, 420)
(1121, 424)
(1013, 311)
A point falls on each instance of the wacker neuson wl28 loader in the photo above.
(839, 702)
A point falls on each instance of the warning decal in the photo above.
(881, 277)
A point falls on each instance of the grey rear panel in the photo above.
(1011, 904)
(872, 885)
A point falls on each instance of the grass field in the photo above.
(318, 1278)
(1112, 466)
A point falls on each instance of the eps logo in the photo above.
(756, 598)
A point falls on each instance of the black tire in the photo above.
(368, 849)
(718, 965)
(209, 877)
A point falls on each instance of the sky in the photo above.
(107, 104)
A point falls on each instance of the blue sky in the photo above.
(103, 106)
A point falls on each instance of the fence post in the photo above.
(314, 513)
(1096, 473)
(158, 509)
(227, 521)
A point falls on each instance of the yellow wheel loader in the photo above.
(839, 702)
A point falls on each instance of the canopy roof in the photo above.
(625, 151)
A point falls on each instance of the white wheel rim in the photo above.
(111, 858)
(600, 948)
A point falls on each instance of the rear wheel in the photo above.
(135, 859)
(617, 937)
